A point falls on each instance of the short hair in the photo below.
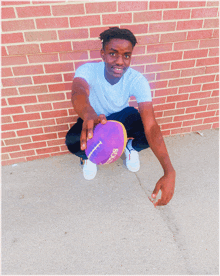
(115, 32)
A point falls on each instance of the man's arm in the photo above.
(155, 139)
(81, 104)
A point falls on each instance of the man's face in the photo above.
(117, 57)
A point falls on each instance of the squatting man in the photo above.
(101, 92)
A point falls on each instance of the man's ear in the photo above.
(102, 54)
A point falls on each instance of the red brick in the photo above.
(171, 125)
(116, 18)
(207, 61)
(165, 133)
(52, 23)
(136, 29)
(162, 27)
(215, 33)
(172, 37)
(33, 145)
(73, 34)
(96, 53)
(164, 107)
(23, 49)
(12, 38)
(12, 110)
(14, 3)
(159, 48)
(179, 82)
(193, 72)
(54, 114)
(186, 45)
(168, 75)
(41, 156)
(42, 123)
(139, 68)
(16, 81)
(158, 84)
(17, 25)
(14, 60)
(22, 154)
(47, 78)
(33, 11)
(213, 106)
(148, 39)
(210, 86)
(12, 161)
(163, 5)
(40, 36)
(10, 149)
(8, 92)
(203, 79)
(165, 92)
(95, 32)
(212, 69)
(47, 150)
(143, 59)
(62, 134)
(211, 23)
(71, 112)
(55, 128)
(56, 47)
(211, 120)
(147, 16)
(7, 13)
(59, 67)
(180, 130)
(157, 67)
(60, 87)
(189, 4)
(67, 9)
(9, 134)
(62, 105)
(195, 54)
(207, 43)
(204, 114)
(177, 98)
(6, 119)
(4, 52)
(182, 64)
(81, 21)
(56, 142)
(215, 125)
(156, 101)
(195, 109)
(34, 89)
(209, 101)
(150, 77)
(38, 107)
(164, 120)
(86, 45)
(51, 97)
(132, 6)
(200, 95)
(192, 123)
(169, 56)
(22, 100)
(64, 120)
(28, 132)
(204, 12)
(193, 35)
(212, 3)
(214, 52)
(100, 7)
(6, 72)
(17, 141)
(189, 24)
(202, 127)
(215, 93)
(44, 137)
(176, 14)
(42, 58)
(3, 102)
(174, 112)
(28, 70)
(184, 117)
(26, 117)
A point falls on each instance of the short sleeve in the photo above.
(141, 89)
(86, 72)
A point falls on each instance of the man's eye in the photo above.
(127, 56)
(112, 54)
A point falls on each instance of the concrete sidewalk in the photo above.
(56, 223)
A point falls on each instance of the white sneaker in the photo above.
(89, 170)
(132, 160)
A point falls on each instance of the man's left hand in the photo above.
(167, 185)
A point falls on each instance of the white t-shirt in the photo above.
(106, 98)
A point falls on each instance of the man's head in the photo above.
(117, 47)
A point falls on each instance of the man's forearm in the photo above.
(157, 144)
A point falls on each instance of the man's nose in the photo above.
(119, 60)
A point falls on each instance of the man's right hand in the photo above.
(90, 121)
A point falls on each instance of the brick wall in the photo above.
(44, 42)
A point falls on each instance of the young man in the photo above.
(101, 92)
